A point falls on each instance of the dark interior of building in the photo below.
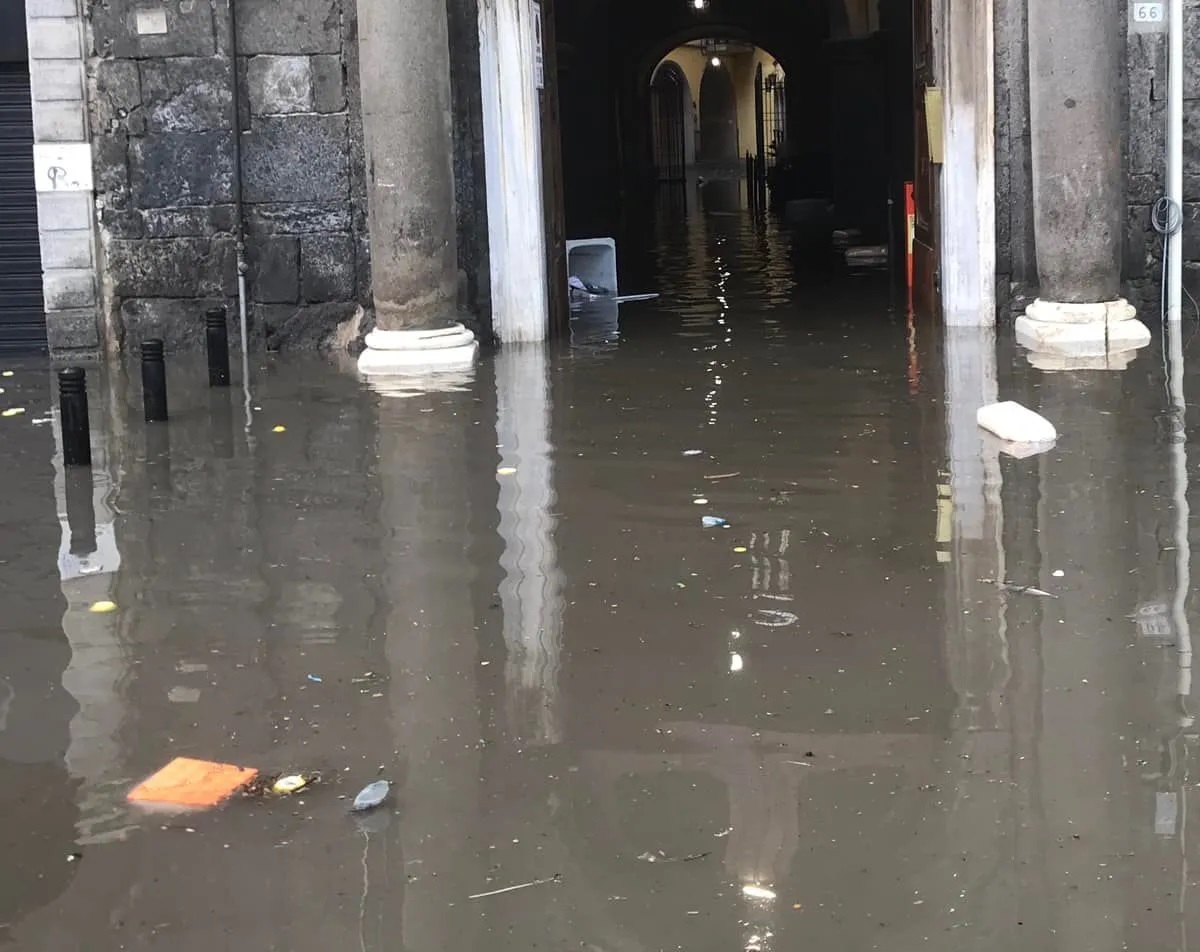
(825, 153)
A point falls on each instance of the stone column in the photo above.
(1076, 59)
(404, 59)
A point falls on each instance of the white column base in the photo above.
(1101, 336)
(391, 353)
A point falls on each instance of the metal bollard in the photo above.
(216, 335)
(154, 381)
(73, 407)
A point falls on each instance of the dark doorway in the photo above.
(673, 120)
(718, 116)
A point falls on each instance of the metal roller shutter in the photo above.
(22, 315)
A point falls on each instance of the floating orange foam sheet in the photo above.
(185, 782)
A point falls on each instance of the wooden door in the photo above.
(926, 260)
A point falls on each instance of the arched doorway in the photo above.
(718, 116)
(673, 122)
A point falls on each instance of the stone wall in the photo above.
(1146, 163)
(162, 90)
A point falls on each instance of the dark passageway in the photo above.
(817, 95)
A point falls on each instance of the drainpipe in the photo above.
(239, 208)
(1174, 262)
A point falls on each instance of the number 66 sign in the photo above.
(1149, 16)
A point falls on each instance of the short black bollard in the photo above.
(73, 405)
(154, 381)
(216, 335)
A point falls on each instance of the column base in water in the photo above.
(421, 351)
(1101, 336)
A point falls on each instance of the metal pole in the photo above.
(1174, 262)
(216, 335)
(154, 381)
(73, 410)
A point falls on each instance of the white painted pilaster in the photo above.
(63, 174)
(963, 36)
(513, 157)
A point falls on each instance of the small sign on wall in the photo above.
(1147, 16)
(62, 167)
(539, 59)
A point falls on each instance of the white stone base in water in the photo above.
(406, 352)
(1101, 336)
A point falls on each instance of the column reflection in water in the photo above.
(89, 570)
(38, 810)
(426, 584)
(531, 594)
(973, 845)
(1089, 695)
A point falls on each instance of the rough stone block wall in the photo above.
(162, 86)
(1146, 164)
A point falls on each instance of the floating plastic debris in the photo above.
(186, 782)
(774, 618)
(739, 549)
(753, 891)
(102, 608)
(506, 471)
(714, 522)
(1016, 424)
(699, 501)
(289, 784)
(556, 878)
(279, 429)
(316, 679)
(693, 452)
(13, 411)
(371, 795)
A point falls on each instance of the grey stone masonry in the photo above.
(161, 83)
(66, 219)
(1146, 163)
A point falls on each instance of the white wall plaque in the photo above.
(62, 167)
(1147, 16)
(152, 22)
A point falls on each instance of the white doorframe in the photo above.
(964, 45)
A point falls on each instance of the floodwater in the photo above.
(824, 726)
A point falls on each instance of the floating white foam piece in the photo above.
(1016, 424)
(993, 444)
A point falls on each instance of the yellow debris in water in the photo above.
(13, 411)
(279, 429)
(289, 784)
(740, 548)
(506, 471)
(103, 608)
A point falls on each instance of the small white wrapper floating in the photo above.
(1014, 423)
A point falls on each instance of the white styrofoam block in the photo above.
(1012, 422)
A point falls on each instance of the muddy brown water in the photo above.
(819, 727)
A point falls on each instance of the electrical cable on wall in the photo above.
(1167, 218)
